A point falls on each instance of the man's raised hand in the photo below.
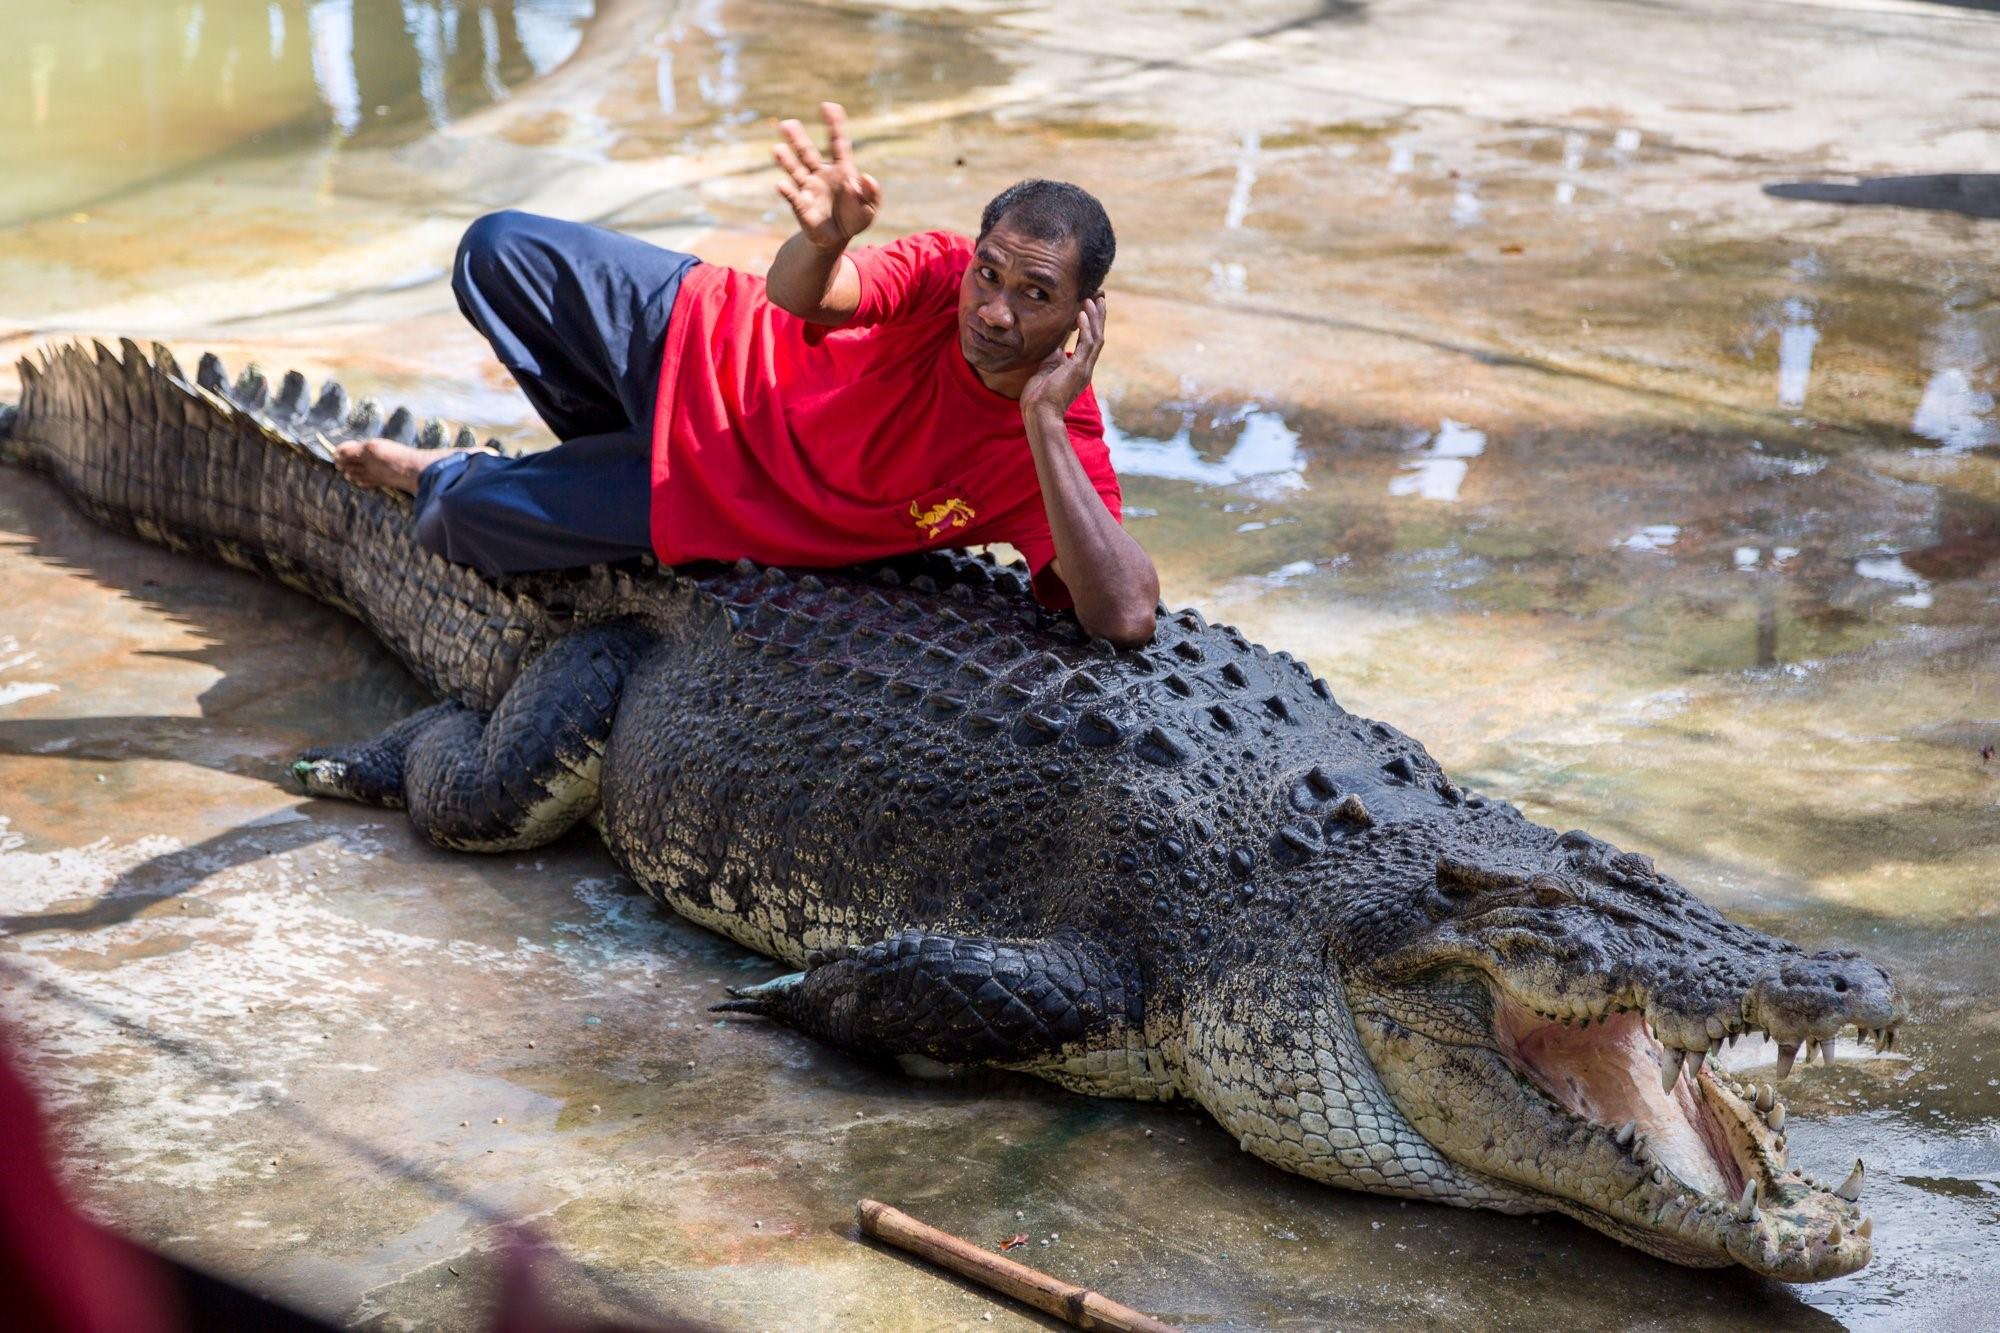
(833, 201)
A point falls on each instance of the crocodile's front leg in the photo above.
(514, 778)
(1060, 1008)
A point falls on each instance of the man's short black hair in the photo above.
(1058, 211)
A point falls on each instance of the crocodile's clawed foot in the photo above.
(765, 999)
(337, 773)
(319, 774)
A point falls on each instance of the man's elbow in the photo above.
(1133, 633)
(1129, 625)
(786, 301)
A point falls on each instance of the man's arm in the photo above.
(1109, 575)
(834, 202)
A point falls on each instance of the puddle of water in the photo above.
(1891, 569)
(1466, 209)
(1441, 471)
(1261, 450)
(1954, 411)
(1796, 340)
(1651, 537)
(1246, 181)
(126, 91)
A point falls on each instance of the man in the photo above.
(849, 406)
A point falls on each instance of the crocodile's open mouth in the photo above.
(1699, 1172)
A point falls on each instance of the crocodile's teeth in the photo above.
(1746, 1206)
(1787, 1052)
(1850, 1188)
(1627, 1132)
(1776, 1120)
(1867, 1228)
(1767, 1097)
(1694, 1065)
(1834, 1237)
(1670, 1069)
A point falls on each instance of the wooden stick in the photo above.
(1077, 1305)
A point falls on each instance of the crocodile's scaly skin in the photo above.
(1183, 871)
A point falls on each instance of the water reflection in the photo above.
(426, 29)
(550, 30)
(1797, 337)
(663, 82)
(1465, 206)
(1227, 278)
(194, 81)
(1753, 557)
(1651, 537)
(722, 87)
(1264, 450)
(1246, 180)
(1888, 567)
(331, 25)
(191, 35)
(1954, 411)
(1438, 474)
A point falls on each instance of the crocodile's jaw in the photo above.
(1543, 1107)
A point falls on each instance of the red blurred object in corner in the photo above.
(61, 1273)
(58, 1272)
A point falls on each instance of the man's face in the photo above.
(1018, 300)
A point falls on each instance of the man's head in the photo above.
(1043, 250)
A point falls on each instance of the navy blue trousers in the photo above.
(579, 315)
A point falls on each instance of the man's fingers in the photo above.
(871, 190)
(795, 136)
(835, 116)
(1091, 341)
(789, 160)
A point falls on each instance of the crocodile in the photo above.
(983, 838)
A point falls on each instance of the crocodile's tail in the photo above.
(245, 476)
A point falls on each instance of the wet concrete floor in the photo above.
(1464, 353)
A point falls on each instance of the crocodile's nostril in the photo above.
(1840, 984)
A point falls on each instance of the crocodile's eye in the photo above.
(1548, 891)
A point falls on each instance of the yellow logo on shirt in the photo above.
(953, 513)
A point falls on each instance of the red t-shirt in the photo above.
(798, 444)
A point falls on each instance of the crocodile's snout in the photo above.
(1807, 1001)
(1558, 1023)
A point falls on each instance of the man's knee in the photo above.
(489, 246)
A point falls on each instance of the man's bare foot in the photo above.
(383, 463)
